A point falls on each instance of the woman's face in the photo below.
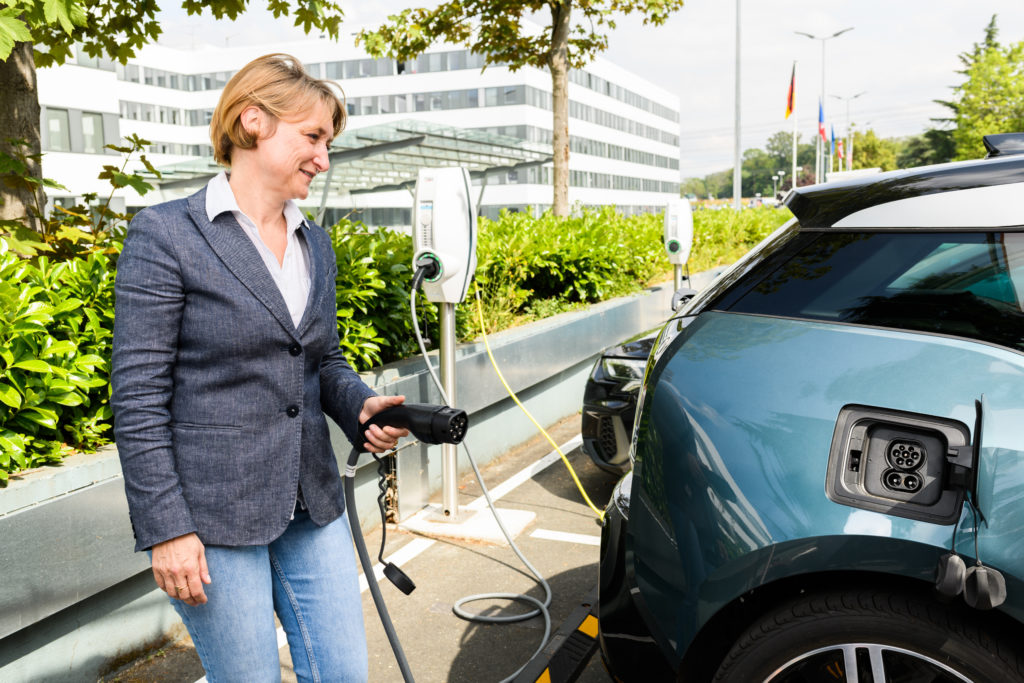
(289, 159)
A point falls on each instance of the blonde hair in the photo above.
(279, 86)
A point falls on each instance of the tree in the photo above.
(41, 33)
(934, 146)
(780, 148)
(871, 151)
(495, 30)
(991, 98)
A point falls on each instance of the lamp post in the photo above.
(820, 170)
(849, 130)
(781, 175)
(775, 185)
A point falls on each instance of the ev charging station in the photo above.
(444, 237)
(678, 236)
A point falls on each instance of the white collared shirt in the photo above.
(292, 274)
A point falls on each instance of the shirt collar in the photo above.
(220, 198)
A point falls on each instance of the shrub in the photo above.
(55, 333)
(57, 309)
(374, 276)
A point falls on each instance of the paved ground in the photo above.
(439, 645)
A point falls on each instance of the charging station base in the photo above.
(471, 525)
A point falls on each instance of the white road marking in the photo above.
(417, 546)
(584, 539)
(526, 473)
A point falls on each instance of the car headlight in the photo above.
(626, 370)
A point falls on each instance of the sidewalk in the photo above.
(562, 544)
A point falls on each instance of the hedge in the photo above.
(57, 315)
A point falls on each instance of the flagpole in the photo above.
(737, 170)
(794, 124)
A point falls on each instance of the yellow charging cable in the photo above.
(494, 363)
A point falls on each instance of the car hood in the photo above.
(636, 349)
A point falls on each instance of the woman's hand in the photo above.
(179, 567)
(381, 440)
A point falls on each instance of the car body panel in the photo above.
(729, 483)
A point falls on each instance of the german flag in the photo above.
(790, 103)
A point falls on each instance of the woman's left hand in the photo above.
(378, 439)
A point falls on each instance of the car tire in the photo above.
(802, 641)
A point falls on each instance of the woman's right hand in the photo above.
(179, 567)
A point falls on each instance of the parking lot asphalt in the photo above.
(562, 543)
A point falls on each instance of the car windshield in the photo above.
(962, 284)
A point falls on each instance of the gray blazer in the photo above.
(218, 400)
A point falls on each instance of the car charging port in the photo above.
(905, 455)
(904, 482)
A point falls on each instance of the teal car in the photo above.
(828, 454)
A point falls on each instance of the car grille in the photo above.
(606, 437)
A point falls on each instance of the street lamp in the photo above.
(849, 131)
(820, 170)
(775, 187)
(781, 174)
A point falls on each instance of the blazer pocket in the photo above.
(209, 460)
(196, 426)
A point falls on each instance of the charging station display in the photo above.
(444, 230)
(678, 231)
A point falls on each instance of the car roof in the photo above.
(983, 193)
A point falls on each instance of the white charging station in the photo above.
(678, 235)
(444, 229)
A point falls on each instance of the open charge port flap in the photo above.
(900, 463)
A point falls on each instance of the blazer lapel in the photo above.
(227, 239)
(318, 267)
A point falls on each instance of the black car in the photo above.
(609, 402)
(828, 459)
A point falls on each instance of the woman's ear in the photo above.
(252, 121)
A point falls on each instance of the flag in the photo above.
(821, 122)
(790, 103)
(839, 149)
(833, 152)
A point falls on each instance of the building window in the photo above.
(57, 127)
(92, 133)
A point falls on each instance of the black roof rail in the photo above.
(1004, 144)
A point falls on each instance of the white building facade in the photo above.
(624, 132)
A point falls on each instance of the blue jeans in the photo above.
(308, 577)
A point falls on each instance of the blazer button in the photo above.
(292, 411)
(295, 349)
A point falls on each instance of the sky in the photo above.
(901, 54)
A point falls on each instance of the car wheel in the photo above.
(880, 637)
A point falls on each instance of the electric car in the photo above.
(609, 402)
(828, 457)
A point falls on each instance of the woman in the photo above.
(225, 360)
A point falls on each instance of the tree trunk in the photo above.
(19, 119)
(558, 63)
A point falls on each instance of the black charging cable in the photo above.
(430, 424)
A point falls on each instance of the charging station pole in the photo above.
(444, 233)
(677, 277)
(449, 451)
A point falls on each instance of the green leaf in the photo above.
(10, 396)
(59, 348)
(33, 365)
(68, 399)
(67, 13)
(12, 30)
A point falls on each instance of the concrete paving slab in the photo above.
(471, 525)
